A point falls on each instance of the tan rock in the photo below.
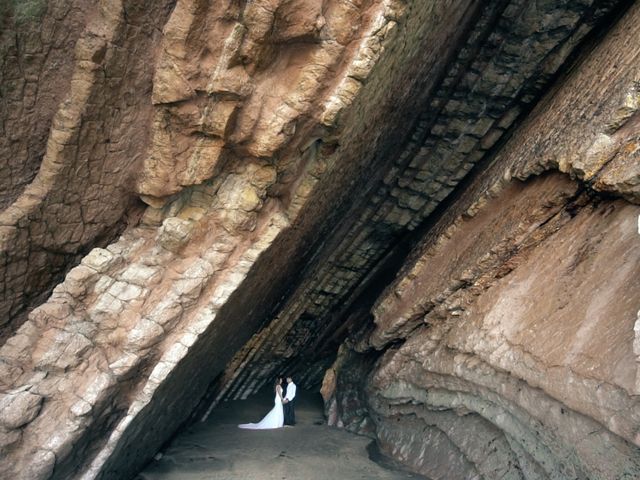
(174, 233)
(235, 81)
(99, 259)
(19, 408)
(8, 438)
(289, 153)
(140, 275)
(202, 162)
(41, 465)
(239, 200)
(145, 334)
(169, 83)
(59, 350)
(217, 119)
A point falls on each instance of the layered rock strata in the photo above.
(289, 155)
(507, 56)
(35, 39)
(84, 96)
(505, 320)
(507, 344)
(114, 361)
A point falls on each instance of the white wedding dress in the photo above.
(273, 419)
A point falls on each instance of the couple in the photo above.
(282, 413)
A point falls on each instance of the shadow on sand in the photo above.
(218, 449)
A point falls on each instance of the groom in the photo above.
(289, 403)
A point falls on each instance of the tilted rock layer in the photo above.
(356, 190)
(507, 347)
(507, 319)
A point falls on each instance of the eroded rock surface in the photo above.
(134, 318)
(292, 159)
(506, 343)
(35, 40)
(92, 119)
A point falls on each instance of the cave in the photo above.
(428, 212)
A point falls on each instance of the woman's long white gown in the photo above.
(273, 419)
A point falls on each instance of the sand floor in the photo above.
(218, 449)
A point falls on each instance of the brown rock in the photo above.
(366, 174)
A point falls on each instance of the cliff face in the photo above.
(506, 347)
(75, 95)
(419, 202)
(504, 335)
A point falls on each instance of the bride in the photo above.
(273, 419)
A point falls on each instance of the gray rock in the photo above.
(41, 465)
(174, 233)
(18, 409)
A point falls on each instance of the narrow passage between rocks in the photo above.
(217, 449)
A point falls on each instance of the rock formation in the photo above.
(428, 207)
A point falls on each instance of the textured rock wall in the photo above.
(288, 156)
(507, 320)
(509, 336)
(35, 39)
(127, 344)
(93, 137)
(506, 56)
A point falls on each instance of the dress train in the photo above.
(273, 419)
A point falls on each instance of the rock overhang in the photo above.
(260, 252)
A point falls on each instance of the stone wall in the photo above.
(508, 54)
(507, 319)
(289, 158)
(35, 41)
(117, 357)
(509, 335)
(93, 142)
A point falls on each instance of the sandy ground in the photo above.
(218, 449)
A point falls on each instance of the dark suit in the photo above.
(289, 407)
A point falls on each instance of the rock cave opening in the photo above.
(426, 211)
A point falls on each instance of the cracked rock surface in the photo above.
(428, 207)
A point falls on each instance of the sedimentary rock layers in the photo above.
(100, 375)
(508, 341)
(289, 156)
(518, 346)
(85, 177)
(508, 53)
(35, 41)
